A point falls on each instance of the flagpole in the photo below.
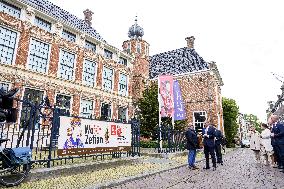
(173, 114)
(160, 118)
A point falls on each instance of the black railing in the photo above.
(38, 127)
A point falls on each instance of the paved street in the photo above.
(239, 171)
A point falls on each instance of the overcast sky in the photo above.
(244, 37)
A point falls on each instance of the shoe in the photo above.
(206, 167)
(275, 166)
(282, 170)
(222, 163)
(214, 169)
(280, 167)
(194, 168)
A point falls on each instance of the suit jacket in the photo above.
(209, 141)
(191, 139)
(278, 131)
(219, 137)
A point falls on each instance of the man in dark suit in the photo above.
(208, 133)
(277, 140)
(218, 145)
(191, 145)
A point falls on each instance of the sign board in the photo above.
(78, 136)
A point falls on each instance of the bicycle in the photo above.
(15, 164)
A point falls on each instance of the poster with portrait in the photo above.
(78, 136)
(166, 103)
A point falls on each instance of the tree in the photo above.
(253, 121)
(149, 113)
(230, 115)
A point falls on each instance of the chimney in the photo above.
(88, 16)
(190, 42)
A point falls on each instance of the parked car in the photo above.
(245, 143)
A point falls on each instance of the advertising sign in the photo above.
(178, 102)
(166, 103)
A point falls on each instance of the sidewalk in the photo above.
(111, 176)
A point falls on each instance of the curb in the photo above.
(139, 176)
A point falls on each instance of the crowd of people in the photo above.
(269, 143)
(212, 140)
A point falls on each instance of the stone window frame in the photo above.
(43, 23)
(112, 79)
(74, 65)
(21, 105)
(5, 83)
(88, 115)
(95, 73)
(66, 95)
(15, 45)
(194, 121)
(111, 109)
(138, 47)
(126, 86)
(122, 61)
(91, 46)
(69, 36)
(126, 113)
(48, 55)
(10, 7)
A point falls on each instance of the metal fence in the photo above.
(38, 126)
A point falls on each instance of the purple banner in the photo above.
(178, 103)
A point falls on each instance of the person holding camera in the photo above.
(208, 133)
(191, 145)
(218, 145)
(265, 144)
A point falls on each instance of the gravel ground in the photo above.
(240, 170)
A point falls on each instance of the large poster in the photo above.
(79, 136)
(166, 103)
(178, 102)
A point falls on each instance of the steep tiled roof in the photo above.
(64, 16)
(183, 60)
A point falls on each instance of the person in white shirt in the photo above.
(255, 143)
(265, 144)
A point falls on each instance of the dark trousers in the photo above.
(277, 154)
(281, 154)
(218, 149)
(209, 150)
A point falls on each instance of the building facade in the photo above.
(48, 52)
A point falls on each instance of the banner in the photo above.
(166, 105)
(79, 136)
(178, 102)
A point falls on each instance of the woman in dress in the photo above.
(255, 143)
(265, 142)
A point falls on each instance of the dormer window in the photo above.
(10, 9)
(138, 48)
(108, 54)
(122, 61)
(91, 46)
(68, 36)
(43, 24)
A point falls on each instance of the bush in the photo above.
(149, 144)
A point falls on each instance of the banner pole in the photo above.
(160, 118)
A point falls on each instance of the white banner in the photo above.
(79, 136)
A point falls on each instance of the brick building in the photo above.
(46, 51)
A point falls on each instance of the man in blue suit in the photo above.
(208, 133)
(277, 140)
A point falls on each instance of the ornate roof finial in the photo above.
(135, 31)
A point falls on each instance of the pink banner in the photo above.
(166, 102)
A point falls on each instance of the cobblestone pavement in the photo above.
(240, 170)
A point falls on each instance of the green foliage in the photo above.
(149, 114)
(230, 115)
(149, 144)
(253, 121)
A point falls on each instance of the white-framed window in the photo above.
(43, 24)
(91, 46)
(10, 9)
(138, 48)
(66, 65)
(108, 54)
(199, 119)
(122, 114)
(107, 79)
(38, 57)
(4, 86)
(8, 39)
(86, 108)
(89, 73)
(122, 85)
(106, 111)
(68, 36)
(63, 102)
(122, 61)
